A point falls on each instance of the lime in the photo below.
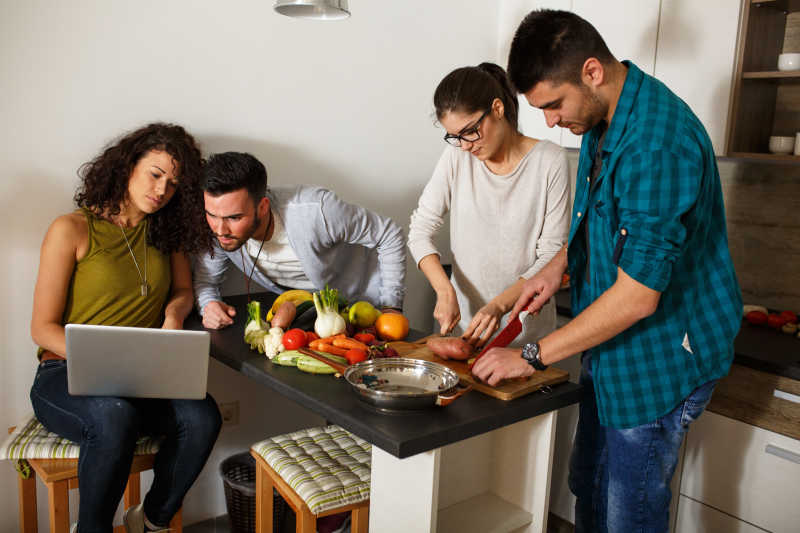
(363, 314)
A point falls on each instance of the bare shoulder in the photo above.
(70, 230)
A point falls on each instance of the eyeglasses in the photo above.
(471, 135)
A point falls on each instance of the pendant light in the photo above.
(313, 9)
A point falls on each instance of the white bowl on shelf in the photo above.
(781, 145)
(789, 62)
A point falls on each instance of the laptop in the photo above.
(136, 362)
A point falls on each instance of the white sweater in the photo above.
(501, 227)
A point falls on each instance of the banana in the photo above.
(295, 295)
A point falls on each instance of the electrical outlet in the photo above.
(230, 413)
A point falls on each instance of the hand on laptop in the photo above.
(217, 315)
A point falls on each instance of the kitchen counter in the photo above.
(407, 446)
(757, 347)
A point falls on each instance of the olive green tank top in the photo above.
(105, 287)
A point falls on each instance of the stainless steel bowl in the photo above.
(400, 383)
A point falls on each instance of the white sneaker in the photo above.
(133, 518)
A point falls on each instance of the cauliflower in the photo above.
(272, 344)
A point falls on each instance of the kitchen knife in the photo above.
(505, 337)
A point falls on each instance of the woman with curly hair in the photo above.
(121, 259)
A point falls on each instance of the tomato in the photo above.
(311, 336)
(366, 338)
(756, 317)
(354, 356)
(789, 317)
(294, 338)
(775, 321)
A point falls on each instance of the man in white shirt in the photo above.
(298, 237)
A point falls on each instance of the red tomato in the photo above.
(775, 321)
(366, 338)
(756, 317)
(789, 317)
(311, 336)
(354, 356)
(294, 338)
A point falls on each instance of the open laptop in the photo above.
(136, 362)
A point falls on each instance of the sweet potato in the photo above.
(450, 347)
(284, 315)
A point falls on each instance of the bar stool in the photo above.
(318, 471)
(54, 460)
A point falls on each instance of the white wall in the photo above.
(345, 104)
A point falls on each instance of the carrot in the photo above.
(330, 348)
(325, 340)
(350, 344)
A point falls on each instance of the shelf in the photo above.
(484, 513)
(772, 74)
(789, 6)
(770, 157)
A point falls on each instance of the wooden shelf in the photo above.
(773, 75)
(763, 156)
(789, 6)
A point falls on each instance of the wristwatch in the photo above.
(532, 354)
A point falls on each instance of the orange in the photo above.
(392, 326)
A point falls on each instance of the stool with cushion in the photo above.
(55, 460)
(319, 472)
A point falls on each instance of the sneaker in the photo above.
(133, 518)
(74, 528)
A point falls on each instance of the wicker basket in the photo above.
(239, 478)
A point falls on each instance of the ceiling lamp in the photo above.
(313, 9)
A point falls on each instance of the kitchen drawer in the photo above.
(694, 517)
(765, 400)
(744, 471)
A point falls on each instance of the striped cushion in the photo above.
(326, 466)
(30, 440)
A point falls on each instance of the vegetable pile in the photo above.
(289, 327)
(784, 321)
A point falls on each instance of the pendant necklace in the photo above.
(255, 261)
(142, 279)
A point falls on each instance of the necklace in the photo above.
(255, 261)
(142, 279)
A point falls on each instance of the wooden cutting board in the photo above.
(506, 390)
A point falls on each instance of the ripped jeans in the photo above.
(621, 477)
(107, 429)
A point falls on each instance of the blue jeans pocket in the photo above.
(696, 402)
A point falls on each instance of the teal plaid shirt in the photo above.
(656, 211)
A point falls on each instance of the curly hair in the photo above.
(180, 225)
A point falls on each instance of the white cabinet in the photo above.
(695, 58)
(743, 471)
(694, 517)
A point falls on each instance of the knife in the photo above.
(505, 337)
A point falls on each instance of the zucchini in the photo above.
(309, 364)
(287, 358)
(302, 307)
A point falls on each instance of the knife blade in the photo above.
(505, 337)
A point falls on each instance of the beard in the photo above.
(238, 242)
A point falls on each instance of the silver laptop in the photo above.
(136, 362)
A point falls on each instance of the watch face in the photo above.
(530, 351)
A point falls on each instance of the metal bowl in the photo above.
(400, 383)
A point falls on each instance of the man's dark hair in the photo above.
(231, 171)
(472, 89)
(552, 46)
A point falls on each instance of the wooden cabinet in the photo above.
(765, 101)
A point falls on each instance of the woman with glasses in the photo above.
(508, 200)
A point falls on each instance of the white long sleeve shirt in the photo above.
(501, 227)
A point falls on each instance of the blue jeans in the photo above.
(621, 477)
(107, 429)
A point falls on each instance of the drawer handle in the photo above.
(783, 454)
(786, 396)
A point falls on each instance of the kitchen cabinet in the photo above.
(694, 516)
(765, 101)
(695, 59)
(670, 39)
(744, 471)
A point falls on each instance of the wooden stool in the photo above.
(305, 518)
(60, 475)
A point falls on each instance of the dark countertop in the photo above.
(756, 347)
(400, 434)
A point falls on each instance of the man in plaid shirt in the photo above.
(654, 291)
